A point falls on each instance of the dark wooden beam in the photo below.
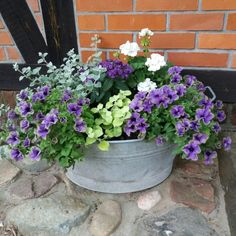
(23, 29)
(59, 24)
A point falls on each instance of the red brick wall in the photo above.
(191, 33)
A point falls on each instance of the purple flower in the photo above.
(35, 154)
(40, 116)
(156, 96)
(219, 104)
(209, 156)
(186, 124)
(11, 115)
(201, 87)
(11, 127)
(23, 95)
(170, 94)
(142, 125)
(174, 70)
(177, 111)
(63, 119)
(16, 154)
(180, 128)
(25, 109)
(134, 117)
(227, 143)
(67, 95)
(80, 125)
(141, 95)
(147, 106)
(200, 138)
(205, 115)
(194, 125)
(220, 115)
(216, 128)
(38, 96)
(24, 125)
(45, 90)
(50, 119)
(129, 128)
(176, 78)
(180, 90)
(160, 140)
(42, 131)
(190, 79)
(135, 105)
(192, 150)
(74, 108)
(13, 138)
(26, 142)
(206, 102)
(116, 69)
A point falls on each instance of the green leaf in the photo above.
(90, 141)
(103, 145)
(107, 84)
(119, 84)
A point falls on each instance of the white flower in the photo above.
(145, 32)
(146, 86)
(155, 62)
(129, 49)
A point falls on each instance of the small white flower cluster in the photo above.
(129, 49)
(155, 62)
(146, 86)
(145, 32)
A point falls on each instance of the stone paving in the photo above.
(189, 203)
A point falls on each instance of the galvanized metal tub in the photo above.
(128, 166)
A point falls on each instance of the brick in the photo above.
(231, 23)
(198, 59)
(13, 53)
(137, 22)
(5, 38)
(218, 4)
(108, 40)
(211, 21)
(1, 24)
(173, 40)
(234, 61)
(34, 5)
(217, 41)
(91, 22)
(104, 5)
(2, 55)
(166, 5)
(86, 54)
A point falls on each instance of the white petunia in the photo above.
(145, 32)
(155, 62)
(146, 86)
(129, 49)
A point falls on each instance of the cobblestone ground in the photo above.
(189, 203)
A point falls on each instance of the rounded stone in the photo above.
(148, 200)
(106, 218)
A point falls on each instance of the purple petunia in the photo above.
(142, 125)
(177, 111)
(63, 120)
(67, 95)
(26, 142)
(80, 125)
(200, 138)
(24, 125)
(190, 79)
(176, 78)
(129, 128)
(216, 128)
(205, 115)
(180, 129)
(206, 102)
(42, 131)
(25, 109)
(74, 108)
(174, 70)
(180, 90)
(220, 115)
(209, 156)
(38, 96)
(116, 69)
(13, 138)
(50, 119)
(160, 140)
(192, 150)
(35, 154)
(136, 105)
(39, 116)
(16, 154)
(11, 115)
(23, 95)
(219, 104)
(194, 125)
(227, 141)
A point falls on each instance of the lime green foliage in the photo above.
(108, 120)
